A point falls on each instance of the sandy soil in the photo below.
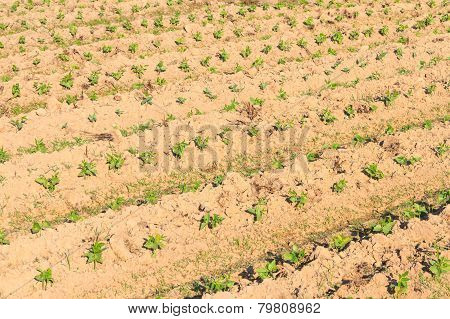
(289, 97)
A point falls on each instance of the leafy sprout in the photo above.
(115, 161)
(339, 242)
(49, 183)
(401, 286)
(87, 169)
(214, 284)
(95, 253)
(73, 217)
(440, 265)
(296, 199)
(179, 148)
(154, 243)
(373, 171)
(45, 277)
(295, 256)
(37, 227)
(258, 209)
(210, 221)
(268, 271)
(339, 186)
(3, 239)
(384, 226)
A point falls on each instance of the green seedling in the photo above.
(384, 30)
(253, 131)
(295, 256)
(245, 53)
(214, 284)
(19, 123)
(181, 100)
(284, 46)
(415, 211)
(154, 243)
(297, 200)
(151, 197)
(148, 99)
(117, 75)
(73, 217)
(4, 156)
(67, 81)
(139, 70)
(384, 226)
(283, 125)
(312, 157)
(209, 94)
(3, 239)
(438, 266)
(268, 271)
(256, 101)
(38, 147)
(210, 221)
(441, 149)
(198, 36)
(115, 161)
(205, 61)
(349, 111)
(373, 171)
(258, 63)
(201, 142)
(360, 140)
(257, 210)
(390, 97)
(87, 169)
(218, 180)
(404, 161)
(339, 242)
(443, 196)
(327, 117)
(147, 157)
(37, 227)
(320, 38)
(117, 203)
(302, 43)
(132, 48)
(282, 95)
(49, 183)
(189, 187)
(95, 253)
(106, 49)
(401, 287)
(231, 107)
(263, 85)
(42, 88)
(179, 148)
(266, 49)
(427, 124)
(337, 37)
(223, 55)
(430, 89)
(45, 277)
(235, 88)
(277, 164)
(339, 186)
(15, 90)
(389, 129)
(218, 34)
(184, 66)
(309, 23)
